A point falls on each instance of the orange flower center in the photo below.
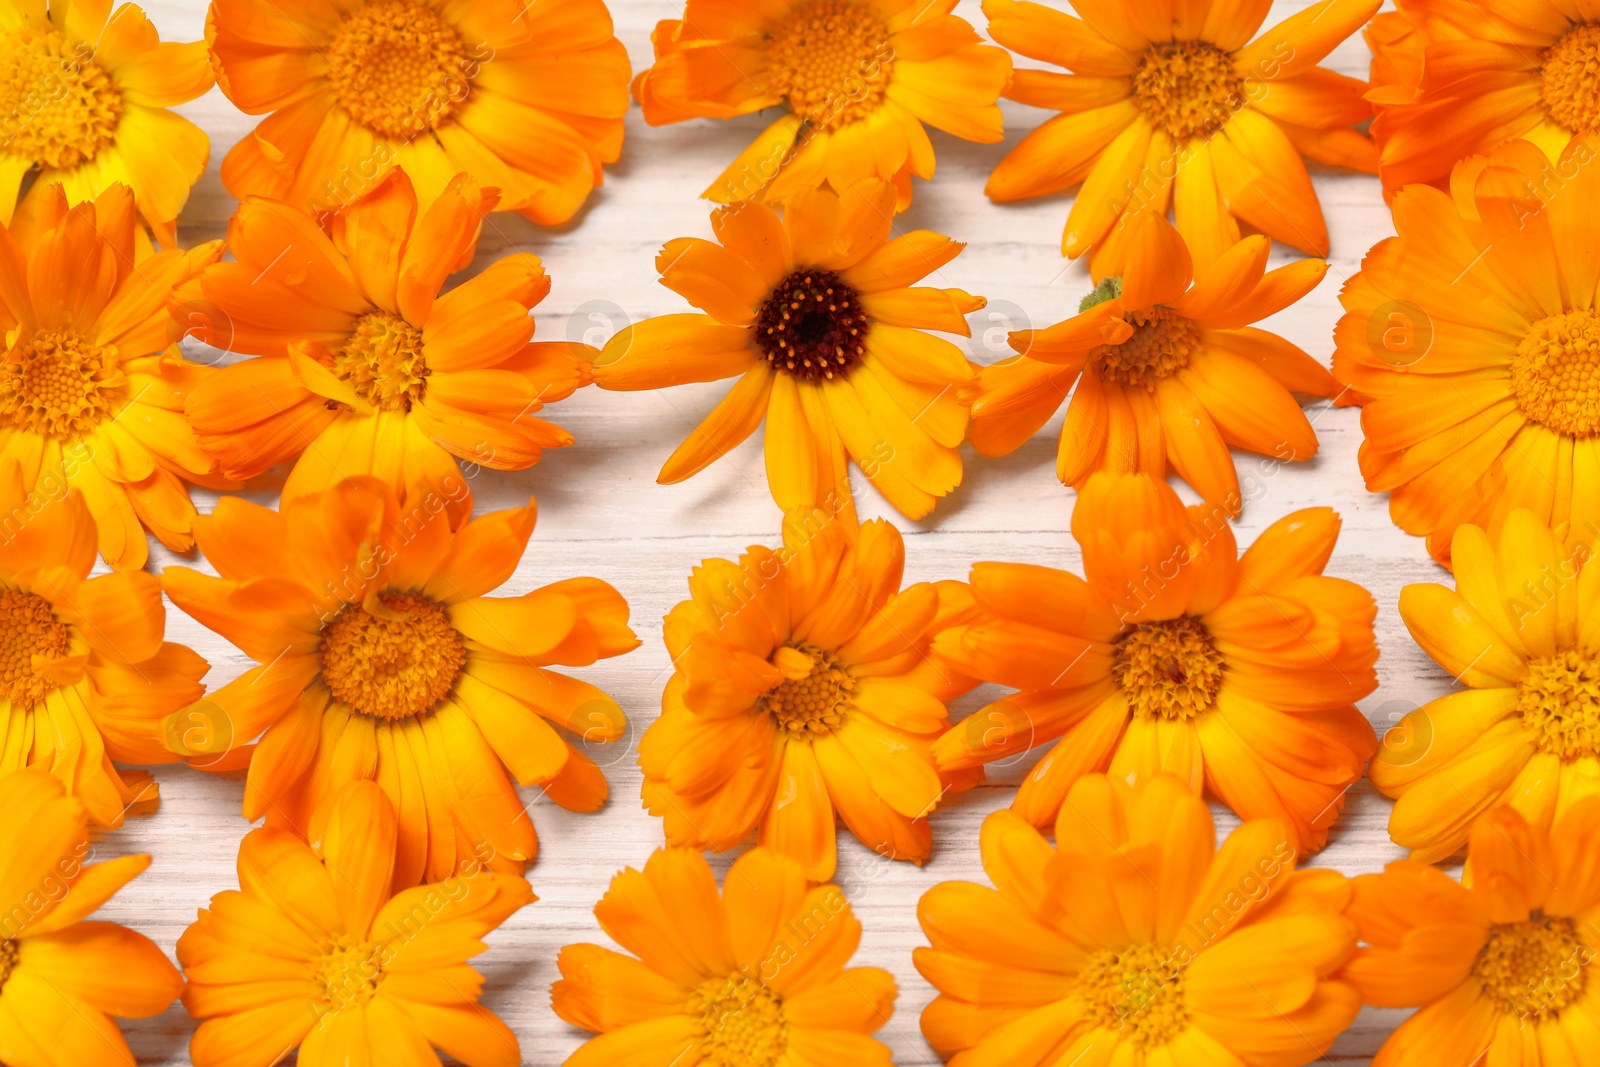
(58, 107)
(348, 972)
(831, 59)
(28, 629)
(743, 1022)
(812, 325)
(814, 695)
(8, 961)
(383, 362)
(1162, 344)
(1137, 991)
(1169, 669)
(1533, 967)
(1560, 702)
(398, 68)
(1570, 79)
(1555, 375)
(58, 385)
(1187, 88)
(397, 663)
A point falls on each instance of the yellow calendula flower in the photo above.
(1498, 966)
(1137, 940)
(381, 657)
(820, 319)
(61, 979)
(755, 977)
(526, 97)
(857, 80)
(314, 950)
(84, 93)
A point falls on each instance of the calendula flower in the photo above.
(83, 103)
(1178, 106)
(315, 950)
(804, 686)
(381, 657)
(91, 383)
(1137, 940)
(363, 365)
(61, 979)
(1499, 965)
(83, 666)
(1168, 370)
(857, 79)
(819, 319)
(525, 97)
(1238, 674)
(1470, 340)
(754, 978)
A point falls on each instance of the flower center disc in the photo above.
(1169, 669)
(1138, 991)
(58, 108)
(59, 385)
(813, 704)
(743, 1020)
(349, 972)
(1570, 76)
(28, 628)
(1555, 375)
(398, 68)
(1162, 344)
(8, 961)
(1560, 701)
(1533, 967)
(396, 665)
(812, 325)
(1187, 88)
(831, 59)
(383, 361)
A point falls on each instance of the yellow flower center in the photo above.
(398, 68)
(743, 1021)
(1560, 701)
(396, 664)
(1162, 344)
(58, 108)
(814, 694)
(383, 361)
(1555, 375)
(348, 971)
(831, 59)
(1137, 991)
(28, 629)
(1533, 967)
(58, 385)
(812, 325)
(8, 961)
(1169, 669)
(1570, 79)
(1187, 88)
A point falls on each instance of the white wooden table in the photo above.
(601, 513)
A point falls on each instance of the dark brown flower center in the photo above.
(812, 325)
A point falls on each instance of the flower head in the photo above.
(755, 977)
(1236, 673)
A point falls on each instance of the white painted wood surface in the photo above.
(601, 513)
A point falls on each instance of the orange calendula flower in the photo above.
(1471, 340)
(754, 977)
(804, 686)
(1176, 105)
(1522, 631)
(1169, 370)
(83, 666)
(61, 979)
(1136, 939)
(315, 950)
(381, 657)
(92, 384)
(1498, 965)
(526, 97)
(819, 318)
(1238, 674)
(364, 366)
(857, 79)
(85, 92)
